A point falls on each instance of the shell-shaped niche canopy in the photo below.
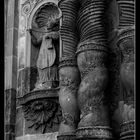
(46, 18)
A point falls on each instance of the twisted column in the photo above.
(68, 71)
(92, 55)
(68, 31)
(125, 42)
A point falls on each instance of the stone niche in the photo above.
(38, 82)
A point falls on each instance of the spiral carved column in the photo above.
(92, 55)
(68, 31)
(125, 42)
(68, 72)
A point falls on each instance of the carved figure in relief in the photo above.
(46, 62)
(46, 37)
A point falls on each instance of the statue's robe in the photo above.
(46, 62)
(47, 54)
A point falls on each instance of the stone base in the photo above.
(97, 132)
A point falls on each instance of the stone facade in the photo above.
(69, 69)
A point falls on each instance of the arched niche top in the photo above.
(38, 7)
(44, 17)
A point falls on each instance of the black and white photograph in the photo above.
(69, 70)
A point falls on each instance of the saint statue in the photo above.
(48, 57)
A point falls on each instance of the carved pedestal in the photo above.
(42, 110)
(69, 81)
(125, 42)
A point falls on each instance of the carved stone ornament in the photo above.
(92, 56)
(43, 114)
(99, 132)
(29, 5)
(45, 38)
(69, 81)
(66, 137)
(42, 109)
(127, 130)
(125, 42)
(69, 75)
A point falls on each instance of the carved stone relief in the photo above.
(45, 36)
(68, 72)
(125, 42)
(92, 57)
(43, 114)
(40, 103)
(82, 74)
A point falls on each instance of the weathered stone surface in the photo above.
(10, 128)
(19, 129)
(10, 72)
(27, 78)
(10, 106)
(10, 113)
(11, 68)
(9, 136)
(121, 102)
(42, 116)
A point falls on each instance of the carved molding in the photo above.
(29, 5)
(66, 61)
(69, 81)
(38, 94)
(91, 45)
(99, 132)
(68, 31)
(66, 137)
(126, 13)
(92, 57)
(127, 130)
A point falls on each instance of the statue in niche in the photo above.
(47, 38)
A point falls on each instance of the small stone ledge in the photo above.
(46, 136)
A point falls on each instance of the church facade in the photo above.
(69, 69)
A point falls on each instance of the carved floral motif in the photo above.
(43, 114)
(28, 5)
